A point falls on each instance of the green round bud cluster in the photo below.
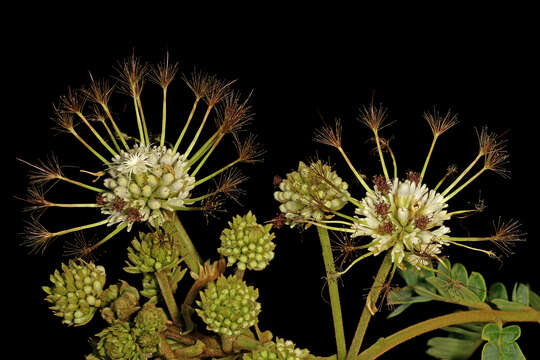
(279, 350)
(150, 321)
(247, 243)
(76, 292)
(311, 191)
(143, 182)
(118, 341)
(153, 252)
(124, 305)
(229, 306)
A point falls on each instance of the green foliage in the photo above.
(501, 343)
(452, 284)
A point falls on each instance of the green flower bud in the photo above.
(149, 323)
(311, 191)
(247, 243)
(118, 342)
(279, 350)
(76, 292)
(228, 306)
(153, 252)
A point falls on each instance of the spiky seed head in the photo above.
(311, 192)
(228, 182)
(76, 291)
(163, 73)
(197, 82)
(373, 116)
(247, 243)
(249, 150)
(216, 90)
(99, 91)
(131, 74)
(228, 306)
(235, 113)
(73, 102)
(506, 234)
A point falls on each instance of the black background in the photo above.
(301, 74)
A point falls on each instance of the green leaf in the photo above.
(534, 300)
(477, 285)
(451, 348)
(508, 305)
(490, 352)
(466, 333)
(455, 292)
(401, 308)
(444, 270)
(510, 334)
(520, 294)
(497, 291)
(491, 332)
(459, 273)
(511, 352)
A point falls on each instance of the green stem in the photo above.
(381, 157)
(372, 297)
(187, 249)
(166, 292)
(428, 157)
(353, 169)
(164, 117)
(463, 317)
(181, 136)
(118, 132)
(333, 291)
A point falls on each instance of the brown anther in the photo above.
(277, 180)
(387, 227)
(421, 222)
(278, 221)
(381, 184)
(413, 176)
(118, 204)
(133, 215)
(382, 208)
(100, 200)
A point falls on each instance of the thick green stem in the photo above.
(187, 249)
(372, 297)
(166, 292)
(333, 291)
(463, 317)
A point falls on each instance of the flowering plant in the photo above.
(179, 306)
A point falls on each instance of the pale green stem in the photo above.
(215, 173)
(328, 227)
(463, 317)
(441, 181)
(166, 293)
(111, 136)
(455, 192)
(487, 252)
(186, 125)
(457, 238)
(73, 205)
(335, 222)
(381, 157)
(139, 122)
(203, 149)
(164, 117)
(94, 131)
(459, 212)
(372, 297)
(354, 170)
(358, 259)
(435, 137)
(458, 179)
(344, 216)
(92, 150)
(394, 163)
(187, 249)
(199, 198)
(78, 183)
(79, 228)
(334, 292)
(118, 132)
(143, 120)
(199, 130)
(119, 228)
(207, 155)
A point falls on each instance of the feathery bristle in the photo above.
(63, 120)
(228, 184)
(329, 135)
(163, 73)
(440, 124)
(235, 113)
(506, 234)
(73, 102)
(249, 150)
(37, 238)
(197, 82)
(36, 199)
(99, 91)
(131, 75)
(373, 117)
(79, 248)
(45, 170)
(217, 90)
(496, 160)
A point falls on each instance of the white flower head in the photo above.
(404, 215)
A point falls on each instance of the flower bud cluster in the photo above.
(76, 291)
(279, 350)
(153, 252)
(228, 306)
(247, 243)
(311, 191)
(144, 182)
